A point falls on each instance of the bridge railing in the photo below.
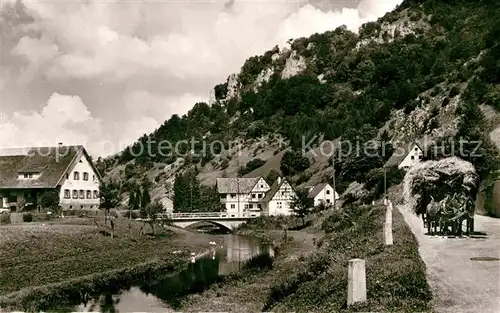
(214, 215)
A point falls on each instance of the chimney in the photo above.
(60, 144)
(279, 180)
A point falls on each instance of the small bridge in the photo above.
(224, 219)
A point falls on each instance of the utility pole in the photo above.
(334, 189)
(238, 186)
(385, 185)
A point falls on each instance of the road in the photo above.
(459, 284)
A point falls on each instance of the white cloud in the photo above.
(210, 42)
(155, 58)
(63, 119)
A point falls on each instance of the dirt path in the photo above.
(459, 284)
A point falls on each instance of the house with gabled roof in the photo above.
(239, 195)
(27, 173)
(322, 193)
(279, 198)
(406, 155)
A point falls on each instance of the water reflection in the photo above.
(165, 294)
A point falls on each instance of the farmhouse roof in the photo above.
(401, 152)
(316, 190)
(236, 185)
(51, 162)
(273, 190)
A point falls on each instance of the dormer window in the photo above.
(28, 176)
(76, 176)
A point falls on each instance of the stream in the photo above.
(166, 294)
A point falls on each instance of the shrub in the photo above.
(304, 177)
(41, 217)
(224, 164)
(28, 217)
(436, 91)
(49, 199)
(250, 166)
(134, 214)
(454, 91)
(4, 218)
(293, 162)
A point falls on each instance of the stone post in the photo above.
(356, 284)
(388, 226)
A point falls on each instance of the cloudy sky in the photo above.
(102, 73)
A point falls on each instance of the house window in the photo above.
(328, 192)
(253, 195)
(327, 200)
(75, 194)
(82, 194)
(89, 194)
(80, 161)
(233, 195)
(261, 186)
(96, 194)
(67, 175)
(85, 176)
(258, 205)
(413, 157)
(259, 195)
(76, 176)
(420, 157)
(416, 149)
(250, 206)
(93, 177)
(233, 206)
(67, 194)
(28, 176)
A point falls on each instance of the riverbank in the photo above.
(44, 262)
(313, 278)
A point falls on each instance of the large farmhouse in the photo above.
(27, 173)
(254, 196)
(240, 195)
(278, 200)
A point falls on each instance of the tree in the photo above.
(50, 200)
(151, 211)
(146, 197)
(293, 162)
(272, 176)
(301, 204)
(110, 194)
(187, 196)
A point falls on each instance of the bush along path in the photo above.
(313, 278)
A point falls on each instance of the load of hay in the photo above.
(444, 192)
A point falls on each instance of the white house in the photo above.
(323, 193)
(168, 204)
(278, 200)
(404, 157)
(27, 173)
(239, 195)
